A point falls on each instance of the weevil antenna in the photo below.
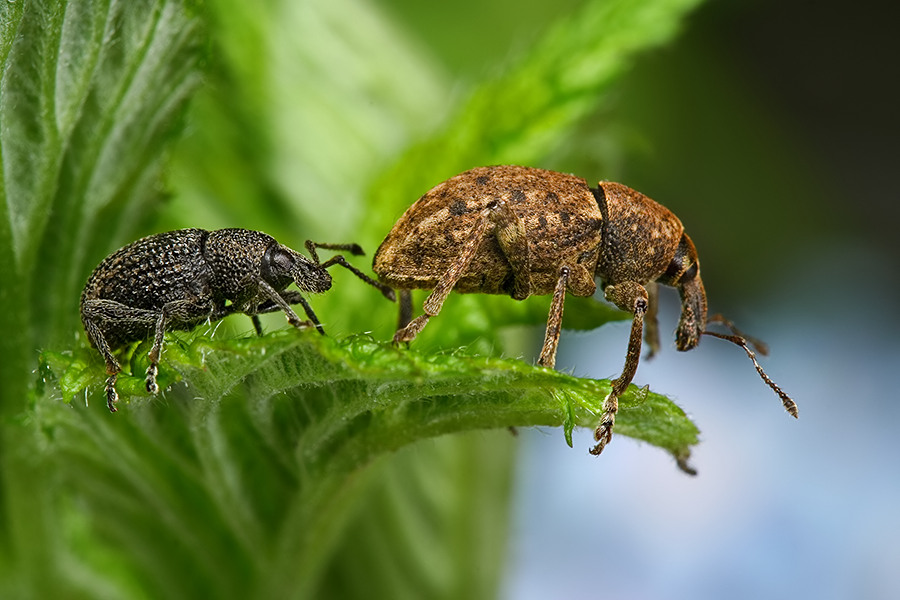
(738, 339)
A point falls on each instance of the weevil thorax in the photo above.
(640, 236)
(282, 265)
(233, 257)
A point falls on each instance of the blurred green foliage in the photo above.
(319, 120)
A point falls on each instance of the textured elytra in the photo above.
(178, 279)
(613, 231)
(561, 218)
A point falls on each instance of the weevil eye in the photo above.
(276, 266)
(684, 266)
(674, 269)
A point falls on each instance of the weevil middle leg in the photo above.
(580, 282)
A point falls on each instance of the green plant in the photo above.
(268, 468)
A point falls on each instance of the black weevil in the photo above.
(179, 279)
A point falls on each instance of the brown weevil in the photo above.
(179, 279)
(524, 231)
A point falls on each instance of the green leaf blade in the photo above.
(265, 453)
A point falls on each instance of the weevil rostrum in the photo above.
(523, 231)
(179, 279)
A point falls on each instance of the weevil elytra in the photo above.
(524, 231)
(179, 279)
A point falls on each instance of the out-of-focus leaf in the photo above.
(90, 94)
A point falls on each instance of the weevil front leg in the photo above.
(633, 297)
(497, 219)
(651, 321)
(282, 301)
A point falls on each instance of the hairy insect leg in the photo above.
(497, 219)
(509, 230)
(445, 284)
(283, 301)
(180, 310)
(651, 322)
(112, 313)
(113, 368)
(633, 297)
(580, 282)
(554, 320)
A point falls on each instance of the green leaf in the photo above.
(264, 433)
(388, 396)
(90, 94)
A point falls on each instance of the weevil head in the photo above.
(282, 265)
(683, 273)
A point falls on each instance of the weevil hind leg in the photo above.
(633, 297)
(112, 313)
(113, 368)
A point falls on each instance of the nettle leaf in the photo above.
(91, 93)
(261, 434)
(401, 394)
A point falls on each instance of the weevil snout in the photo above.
(693, 314)
(311, 277)
(683, 273)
